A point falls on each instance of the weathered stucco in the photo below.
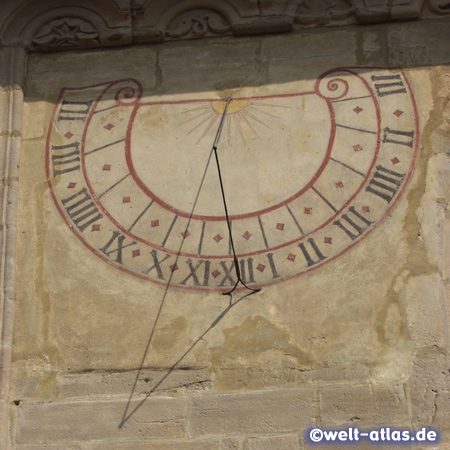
(104, 359)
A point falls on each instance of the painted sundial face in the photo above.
(307, 175)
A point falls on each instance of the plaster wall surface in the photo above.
(106, 359)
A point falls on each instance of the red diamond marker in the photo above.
(107, 167)
(173, 267)
(397, 113)
(136, 253)
(217, 238)
(215, 274)
(395, 160)
(339, 184)
(358, 110)
(155, 223)
(247, 235)
(126, 200)
(291, 257)
(95, 227)
(68, 135)
(109, 126)
(280, 226)
(357, 148)
(185, 234)
(71, 185)
(328, 240)
(365, 209)
(307, 211)
(261, 267)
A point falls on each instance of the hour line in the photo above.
(323, 198)
(113, 186)
(105, 146)
(351, 98)
(295, 220)
(263, 233)
(169, 231)
(202, 234)
(356, 129)
(105, 109)
(140, 215)
(348, 167)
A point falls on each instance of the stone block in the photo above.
(230, 444)
(162, 445)
(162, 417)
(415, 44)
(282, 410)
(430, 389)
(211, 67)
(103, 383)
(366, 404)
(424, 308)
(290, 442)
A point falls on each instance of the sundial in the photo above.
(307, 174)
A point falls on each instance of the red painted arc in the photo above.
(147, 191)
(276, 281)
(256, 252)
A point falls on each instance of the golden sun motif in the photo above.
(243, 115)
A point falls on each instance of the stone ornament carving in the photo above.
(67, 32)
(101, 23)
(440, 6)
(323, 12)
(198, 23)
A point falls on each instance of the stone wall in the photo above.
(94, 357)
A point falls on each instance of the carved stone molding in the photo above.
(80, 24)
(100, 23)
(12, 72)
(371, 11)
(324, 12)
(67, 32)
(197, 24)
(440, 6)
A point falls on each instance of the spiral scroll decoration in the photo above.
(332, 89)
(127, 93)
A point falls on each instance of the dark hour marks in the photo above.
(398, 137)
(313, 255)
(65, 158)
(388, 85)
(116, 245)
(74, 110)
(352, 223)
(81, 209)
(385, 183)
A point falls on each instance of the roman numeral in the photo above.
(73, 110)
(399, 137)
(65, 158)
(81, 209)
(193, 272)
(388, 85)
(385, 183)
(272, 266)
(247, 267)
(118, 240)
(317, 254)
(156, 264)
(353, 225)
(229, 271)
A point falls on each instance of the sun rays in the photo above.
(244, 117)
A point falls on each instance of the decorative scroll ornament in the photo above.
(198, 23)
(323, 12)
(67, 32)
(440, 6)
